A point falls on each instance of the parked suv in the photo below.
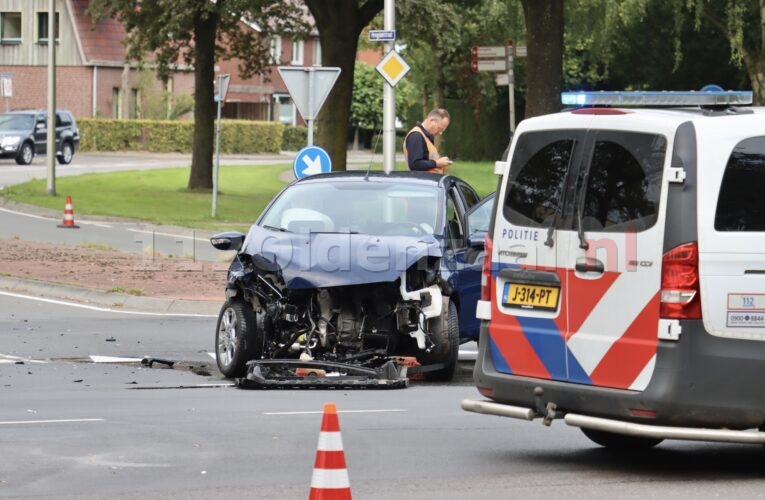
(24, 134)
(624, 279)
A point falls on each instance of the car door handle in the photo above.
(589, 265)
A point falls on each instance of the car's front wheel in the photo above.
(445, 332)
(236, 339)
(620, 441)
(26, 154)
(67, 153)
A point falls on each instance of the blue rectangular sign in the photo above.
(382, 35)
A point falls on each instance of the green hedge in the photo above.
(237, 136)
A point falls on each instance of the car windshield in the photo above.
(16, 122)
(366, 207)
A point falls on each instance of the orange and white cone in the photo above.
(330, 474)
(68, 215)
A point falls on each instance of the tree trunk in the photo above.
(204, 102)
(339, 24)
(544, 66)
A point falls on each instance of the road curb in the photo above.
(107, 300)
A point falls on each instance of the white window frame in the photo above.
(298, 49)
(42, 20)
(316, 52)
(4, 38)
(276, 50)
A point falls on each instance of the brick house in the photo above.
(93, 80)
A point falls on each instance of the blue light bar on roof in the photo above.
(662, 98)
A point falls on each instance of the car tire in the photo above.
(236, 339)
(445, 331)
(620, 441)
(67, 153)
(26, 154)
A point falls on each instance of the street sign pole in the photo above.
(389, 98)
(511, 85)
(221, 97)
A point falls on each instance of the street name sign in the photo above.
(485, 52)
(382, 35)
(489, 65)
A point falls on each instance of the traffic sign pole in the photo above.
(511, 85)
(389, 98)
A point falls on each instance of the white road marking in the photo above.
(319, 412)
(8, 358)
(101, 309)
(58, 421)
(98, 224)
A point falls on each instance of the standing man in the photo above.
(419, 144)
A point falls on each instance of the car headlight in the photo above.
(10, 141)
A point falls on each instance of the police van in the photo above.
(624, 279)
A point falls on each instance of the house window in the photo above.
(276, 50)
(316, 52)
(297, 52)
(42, 27)
(10, 27)
(116, 102)
(135, 103)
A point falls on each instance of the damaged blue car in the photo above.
(347, 277)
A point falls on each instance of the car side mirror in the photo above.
(230, 240)
(40, 126)
(477, 239)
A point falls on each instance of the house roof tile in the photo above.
(102, 41)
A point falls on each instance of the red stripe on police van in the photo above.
(629, 355)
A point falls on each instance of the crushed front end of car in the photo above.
(307, 309)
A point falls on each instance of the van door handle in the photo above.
(589, 265)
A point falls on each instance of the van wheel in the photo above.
(236, 339)
(67, 153)
(620, 441)
(26, 154)
(445, 331)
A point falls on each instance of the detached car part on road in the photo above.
(354, 279)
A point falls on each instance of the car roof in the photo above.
(397, 177)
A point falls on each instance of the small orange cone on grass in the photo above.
(68, 215)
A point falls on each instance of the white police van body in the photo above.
(624, 279)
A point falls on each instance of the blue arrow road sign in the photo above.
(311, 160)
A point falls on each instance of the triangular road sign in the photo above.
(309, 87)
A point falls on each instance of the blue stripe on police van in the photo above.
(575, 371)
(500, 363)
(547, 342)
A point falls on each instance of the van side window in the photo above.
(623, 182)
(741, 205)
(537, 178)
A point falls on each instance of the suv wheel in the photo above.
(67, 152)
(26, 154)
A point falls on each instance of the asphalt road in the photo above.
(74, 427)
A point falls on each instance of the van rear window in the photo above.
(610, 180)
(741, 204)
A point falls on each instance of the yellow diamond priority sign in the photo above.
(392, 67)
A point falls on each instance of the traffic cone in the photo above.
(330, 475)
(68, 215)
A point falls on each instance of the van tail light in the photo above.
(680, 294)
(486, 268)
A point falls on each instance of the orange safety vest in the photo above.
(432, 151)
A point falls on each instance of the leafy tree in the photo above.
(199, 32)
(544, 66)
(743, 24)
(339, 23)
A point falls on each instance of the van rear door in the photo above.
(577, 250)
(614, 260)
